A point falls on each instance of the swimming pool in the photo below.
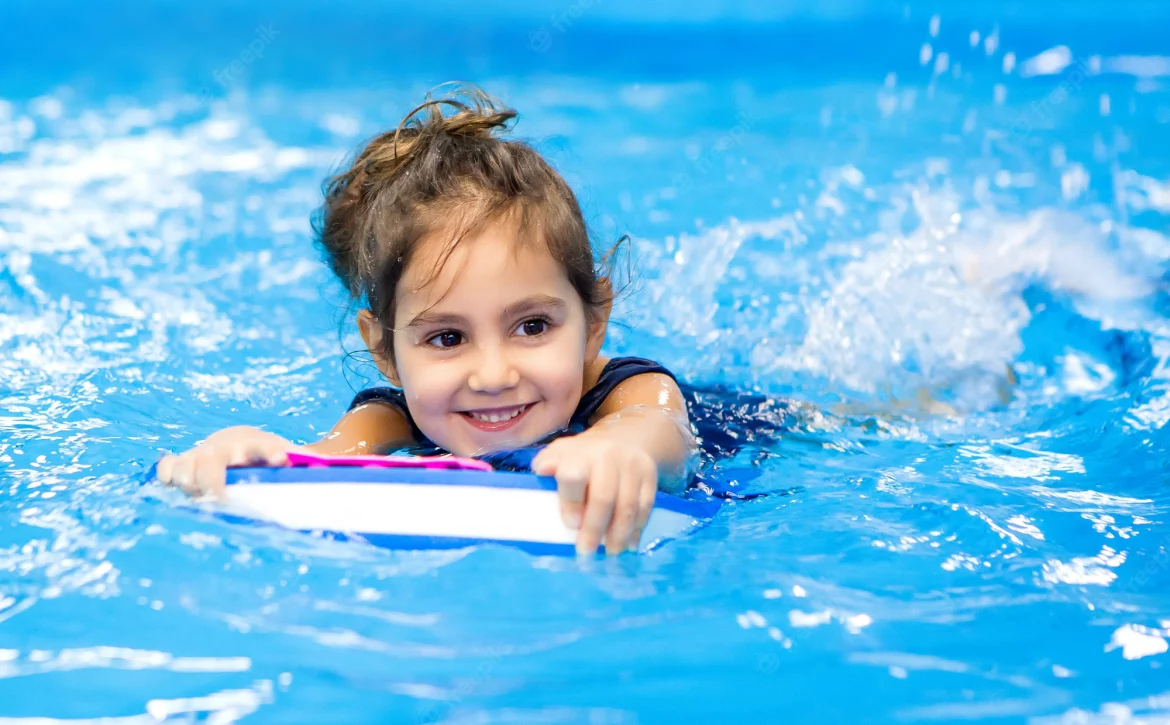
(881, 214)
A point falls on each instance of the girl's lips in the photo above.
(492, 427)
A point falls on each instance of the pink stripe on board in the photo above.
(442, 463)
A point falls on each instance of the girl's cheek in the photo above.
(421, 378)
(560, 375)
(438, 383)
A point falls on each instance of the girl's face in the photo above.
(491, 352)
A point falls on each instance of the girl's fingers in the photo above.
(204, 469)
(166, 465)
(572, 480)
(277, 457)
(545, 462)
(625, 510)
(210, 471)
(646, 492)
(237, 456)
(183, 473)
(599, 503)
(277, 454)
(265, 452)
(256, 452)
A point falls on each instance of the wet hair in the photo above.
(445, 171)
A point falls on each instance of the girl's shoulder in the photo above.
(605, 375)
(392, 397)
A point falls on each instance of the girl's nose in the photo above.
(494, 373)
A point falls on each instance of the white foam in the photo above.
(1141, 66)
(901, 301)
(798, 618)
(991, 43)
(122, 207)
(644, 96)
(925, 54)
(892, 310)
(1141, 193)
(1050, 62)
(122, 658)
(1085, 570)
(227, 705)
(1151, 710)
(908, 661)
(341, 124)
(1074, 181)
(1023, 462)
(1136, 642)
(1092, 498)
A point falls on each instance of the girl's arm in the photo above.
(607, 476)
(367, 429)
(370, 428)
(649, 410)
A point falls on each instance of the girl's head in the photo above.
(483, 298)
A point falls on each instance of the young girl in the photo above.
(485, 310)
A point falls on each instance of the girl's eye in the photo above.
(445, 340)
(531, 328)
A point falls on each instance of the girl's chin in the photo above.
(478, 443)
(482, 443)
(483, 447)
(472, 441)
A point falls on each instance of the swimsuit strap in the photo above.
(396, 398)
(616, 371)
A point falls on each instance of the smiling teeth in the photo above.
(496, 417)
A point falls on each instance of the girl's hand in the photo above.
(203, 468)
(606, 487)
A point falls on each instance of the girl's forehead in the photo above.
(481, 265)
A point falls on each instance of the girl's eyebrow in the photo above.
(528, 304)
(426, 318)
(535, 302)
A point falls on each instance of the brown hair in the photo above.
(452, 173)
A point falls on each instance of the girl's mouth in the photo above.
(496, 419)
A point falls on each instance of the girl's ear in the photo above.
(372, 334)
(599, 320)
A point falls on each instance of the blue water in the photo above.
(952, 270)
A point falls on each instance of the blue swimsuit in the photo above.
(615, 372)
